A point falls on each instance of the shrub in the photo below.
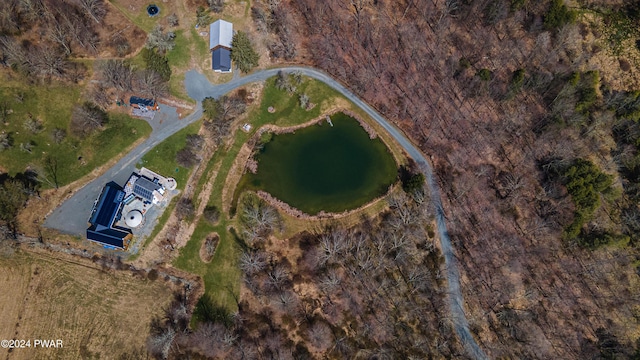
(211, 214)
(464, 63)
(202, 17)
(87, 118)
(412, 179)
(484, 74)
(152, 274)
(517, 78)
(207, 311)
(558, 15)
(584, 182)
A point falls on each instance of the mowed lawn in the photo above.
(162, 158)
(52, 105)
(97, 314)
(222, 276)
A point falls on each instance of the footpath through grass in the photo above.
(222, 276)
(51, 105)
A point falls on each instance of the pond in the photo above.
(323, 167)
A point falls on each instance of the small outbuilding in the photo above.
(220, 37)
(143, 103)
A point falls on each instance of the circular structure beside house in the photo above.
(171, 184)
(153, 10)
(133, 219)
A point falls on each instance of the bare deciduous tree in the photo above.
(151, 84)
(160, 344)
(94, 9)
(252, 262)
(185, 208)
(160, 40)
(87, 118)
(118, 74)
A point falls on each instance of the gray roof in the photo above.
(220, 34)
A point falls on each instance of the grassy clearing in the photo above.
(52, 105)
(288, 111)
(162, 158)
(222, 275)
(201, 45)
(180, 55)
(109, 316)
(137, 14)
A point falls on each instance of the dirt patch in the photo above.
(96, 314)
(208, 247)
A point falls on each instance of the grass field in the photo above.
(97, 315)
(136, 12)
(222, 276)
(162, 158)
(52, 105)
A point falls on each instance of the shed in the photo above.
(143, 103)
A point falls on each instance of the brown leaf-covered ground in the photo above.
(528, 293)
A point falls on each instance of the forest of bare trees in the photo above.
(313, 303)
(499, 93)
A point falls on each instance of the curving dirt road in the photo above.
(71, 216)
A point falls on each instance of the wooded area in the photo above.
(498, 93)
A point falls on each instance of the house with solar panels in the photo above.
(118, 211)
(220, 36)
(148, 190)
(106, 212)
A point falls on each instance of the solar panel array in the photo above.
(143, 192)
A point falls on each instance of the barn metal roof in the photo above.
(220, 34)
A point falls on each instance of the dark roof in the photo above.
(105, 211)
(221, 59)
(104, 214)
(113, 237)
(144, 188)
(142, 101)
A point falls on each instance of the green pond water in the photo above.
(324, 167)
